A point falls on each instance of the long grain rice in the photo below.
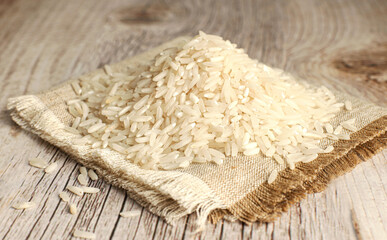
(127, 214)
(348, 105)
(273, 175)
(76, 190)
(349, 126)
(204, 100)
(23, 205)
(83, 171)
(90, 189)
(338, 130)
(64, 196)
(73, 209)
(82, 179)
(343, 136)
(38, 163)
(51, 167)
(329, 149)
(329, 128)
(92, 175)
(84, 234)
(278, 159)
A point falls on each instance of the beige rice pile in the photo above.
(202, 102)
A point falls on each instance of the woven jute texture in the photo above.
(238, 188)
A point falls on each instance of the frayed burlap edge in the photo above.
(268, 201)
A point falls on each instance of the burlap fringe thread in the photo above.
(267, 202)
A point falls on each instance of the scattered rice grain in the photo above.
(76, 190)
(338, 130)
(84, 234)
(93, 176)
(83, 171)
(23, 205)
(52, 167)
(273, 175)
(90, 189)
(38, 163)
(73, 209)
(329, 128)
(127, 214)
(278, 159)
(82, 179)
(64, 196)
(349, 127)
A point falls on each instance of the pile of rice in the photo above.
(200, 103)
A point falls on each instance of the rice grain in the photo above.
(93, 176)
(82, 179)
(83, 171)
(127, 214)
(205, 99)
(64, 196)
(51, 167)
(349, 127)
(90, 189)
(84, 234)
(278, 159)
(348, 105)
(73, 209)
(38, 163)
(23, 205)
(338, 130)
(273, 175)
(76, 190)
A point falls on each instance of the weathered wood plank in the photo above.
(341, 44)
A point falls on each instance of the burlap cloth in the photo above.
(238, 188)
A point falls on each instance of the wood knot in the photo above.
(144, 15)
(365, 64)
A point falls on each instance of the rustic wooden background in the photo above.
(341, 44)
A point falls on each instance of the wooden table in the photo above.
(341, 44)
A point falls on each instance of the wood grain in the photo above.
(341, 44)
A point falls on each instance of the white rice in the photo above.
(278, 159)
(52, 167)
(38, 163)
(349, 126)
(273, 175)
(82, 179)
(250, 152)
(127, 214)
(343, 136)
(348, 105)
(204, 100)
(338, 130)
(350, 121)
(92, 175)
(76, 190)
(84, 234)
(108, 70)
(90, 189)
(83, 171)
(291, 165)
(77, 89)
(64, 196)
(73, 209)
(329, 149)
(329, 128)
(23, 205)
